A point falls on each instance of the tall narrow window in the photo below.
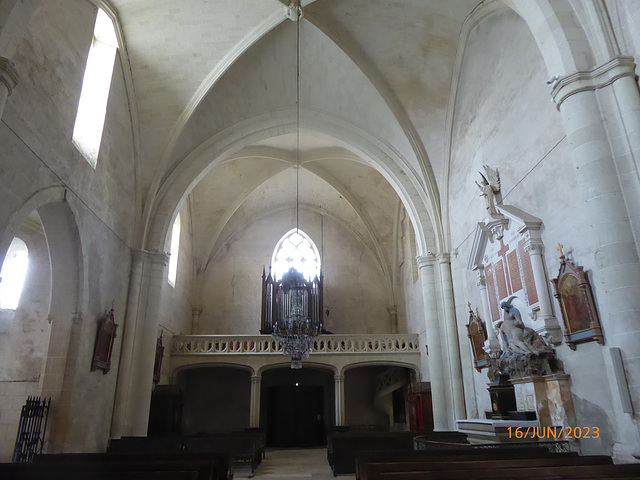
(14, 272)
(175, 246)
(92, 108)
(295, 249)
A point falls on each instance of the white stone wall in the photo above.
(49, 41)
(353, 288)
(504, 118)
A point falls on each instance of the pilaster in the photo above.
(135, 375)
(436, 367)
(451, 329)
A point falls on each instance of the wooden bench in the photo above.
(241, 446)
(100, 471)
(343, 447)
(364, 458)
(566, 472)
(223, 463)
(431, 465)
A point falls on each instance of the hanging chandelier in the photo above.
(295, 303)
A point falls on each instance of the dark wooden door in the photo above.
(295, 416)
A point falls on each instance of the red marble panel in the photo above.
(502, 281)
(527, 270)
(514, 271)
(491, 290)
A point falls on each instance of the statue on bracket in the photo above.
(579, 314)
(490, 188)
(477, 332)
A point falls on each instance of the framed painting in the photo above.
(105, 336)
(579, 313)
(477, 332)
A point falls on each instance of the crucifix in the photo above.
(505, 264)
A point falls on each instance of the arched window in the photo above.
(92, 107)
(14, 272)
(295, 249)
(175, 246)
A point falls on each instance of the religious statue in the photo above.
(516, 338)
(490, 187)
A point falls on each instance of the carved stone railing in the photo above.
(262, 344)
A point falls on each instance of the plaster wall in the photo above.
(49, 41)
(353, 287)
(503, 118)
(24, 334)
(625, 17)
(411, 300)
(175, 316)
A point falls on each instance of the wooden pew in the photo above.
(96, 471)
(343, 447)
(567, 472)
(223, 463)
(241, 446)
(363, 458)
(432, 465)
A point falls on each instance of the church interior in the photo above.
(458, 182)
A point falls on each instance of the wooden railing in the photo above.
(262, 344)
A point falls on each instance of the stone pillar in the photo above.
(436, 365)
(491, 345)
(195, 320)
(609, 185)
(451, 329)
(338, 381)
(135, 374)
(254, 414)
(8, 80)
(549, 325)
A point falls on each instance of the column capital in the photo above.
(427, 260)
(8, 74)
(443, 257)
(338, 378)
(534, 247)
(151, 257)
(255, 379)
(590, 80)
(196, 310)
(481, 280)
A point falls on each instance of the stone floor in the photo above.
(292, 464)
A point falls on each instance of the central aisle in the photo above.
(292, 464)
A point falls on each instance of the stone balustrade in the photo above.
(324, 344)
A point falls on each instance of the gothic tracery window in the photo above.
(295, 249)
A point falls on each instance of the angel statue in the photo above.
(490, 187)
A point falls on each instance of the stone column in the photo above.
(451, 329)
(436, 366)
(195, 320)
(254, 414)
(135, 374)
(609, 186)
(545, 315)
(8, 80)
(491, 345)
(338, 381)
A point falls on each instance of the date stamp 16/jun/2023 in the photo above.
(556, 433)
